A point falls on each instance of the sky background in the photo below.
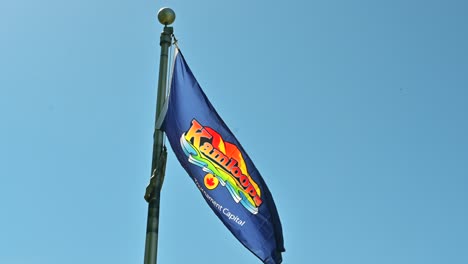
(354, 112)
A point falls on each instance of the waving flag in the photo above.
(220, 168)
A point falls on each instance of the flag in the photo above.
(219, 166)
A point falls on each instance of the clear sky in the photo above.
(354, 112)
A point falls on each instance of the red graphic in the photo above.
(210, 181)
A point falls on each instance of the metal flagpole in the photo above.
(166, 16)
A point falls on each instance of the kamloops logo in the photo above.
(223, 164)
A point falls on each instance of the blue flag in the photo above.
(220, 168)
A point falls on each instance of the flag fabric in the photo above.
(219, 166)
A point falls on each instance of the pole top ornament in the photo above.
(166, 16)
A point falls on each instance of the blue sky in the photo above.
(355, 113)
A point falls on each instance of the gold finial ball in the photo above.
(166, 16)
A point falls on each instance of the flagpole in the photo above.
(166, 16)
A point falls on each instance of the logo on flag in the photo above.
(207, 149)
